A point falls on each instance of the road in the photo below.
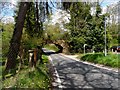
(75, 75)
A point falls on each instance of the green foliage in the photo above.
(36, 15)
(113, 34)
(54, 32)
(98, 9)
(6, 37)
(76, 44)
(80, 14)
(31, 42)
(32, 27)
(92, 57)
(110, 60)
(84, 28)
(33, 31)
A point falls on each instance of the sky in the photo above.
(9, 12)
(105, 3)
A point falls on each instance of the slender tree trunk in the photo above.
(16, 38)
(38, 28)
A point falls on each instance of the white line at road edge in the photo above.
(57, 81)
(96, 65)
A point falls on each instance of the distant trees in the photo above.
(54, 32)
(79, 16)
(113, 34)
(85, 28)
(113, 24)
(119, 34)
(6, 37)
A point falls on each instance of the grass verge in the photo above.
(111, 60)
(51, 47)
(30, 77)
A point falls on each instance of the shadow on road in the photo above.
(74, 74)
(77, 75)
(49, 52)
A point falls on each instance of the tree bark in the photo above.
(16, 38)
(39, 28)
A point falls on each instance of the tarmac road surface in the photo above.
(76, 75)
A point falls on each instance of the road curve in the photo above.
(76, 75)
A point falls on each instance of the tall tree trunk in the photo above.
(39, 28)
(16, 38)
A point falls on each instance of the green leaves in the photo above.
(85, 28)
(54, 32)
(6, 36)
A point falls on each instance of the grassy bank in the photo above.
(99, 58)
(30, 77)
(51, 47)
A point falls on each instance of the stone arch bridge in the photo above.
(62, 45)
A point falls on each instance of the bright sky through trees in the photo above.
(9, 12)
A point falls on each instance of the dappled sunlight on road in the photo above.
(74, 74)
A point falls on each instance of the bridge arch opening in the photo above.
(60, 46)
(56, 47)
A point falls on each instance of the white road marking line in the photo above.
(96, 65)
(57, 81)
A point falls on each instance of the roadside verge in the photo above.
(89, 63)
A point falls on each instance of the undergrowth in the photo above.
(29, 77)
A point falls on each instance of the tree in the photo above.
(35, 17)
(16, 38)
(85, 28)
(80, 16)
